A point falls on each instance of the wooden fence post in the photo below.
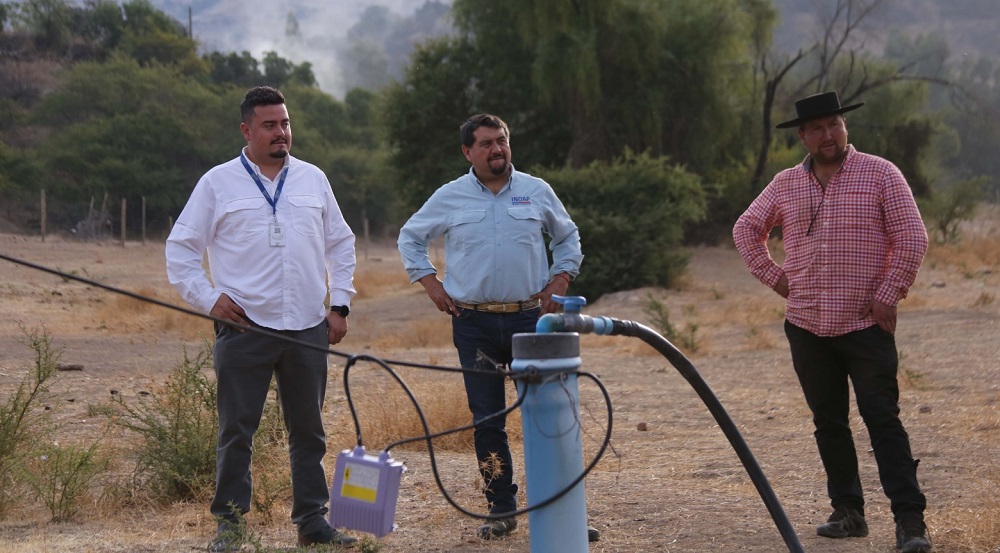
(43, 215)
(123, 222)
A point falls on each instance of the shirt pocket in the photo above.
(465, 230)
(245, 218)
(307, 214)
(525, 225)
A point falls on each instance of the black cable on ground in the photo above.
(624, 328)
(384, 363)
(688, 371)
(250, 328)
(428, 436)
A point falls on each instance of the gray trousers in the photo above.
(244, 365)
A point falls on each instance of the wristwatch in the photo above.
(341, 310)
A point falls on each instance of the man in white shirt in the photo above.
(277, 244)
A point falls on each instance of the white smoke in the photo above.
(259, 26)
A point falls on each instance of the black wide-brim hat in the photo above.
(819, 105)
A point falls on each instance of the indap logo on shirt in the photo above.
(520, 200)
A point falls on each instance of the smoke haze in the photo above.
(311, 31)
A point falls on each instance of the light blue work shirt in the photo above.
(494, 245)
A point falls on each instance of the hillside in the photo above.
(967, 26)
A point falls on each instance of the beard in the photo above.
(823, 159)
(498, 170)
(280, 154)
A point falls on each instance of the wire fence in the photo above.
(101, 219)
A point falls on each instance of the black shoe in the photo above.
(844, 523)
(325, 535)
(496, 529)
(911, 536)
(593, 534)
(230, 536)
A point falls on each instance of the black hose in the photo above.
(687, 370)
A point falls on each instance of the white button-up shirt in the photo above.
(279, 287)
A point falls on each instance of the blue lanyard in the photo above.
(260, 185)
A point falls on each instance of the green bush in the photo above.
(61, 476)
(23, 422)
(631, 213)
(178, 427)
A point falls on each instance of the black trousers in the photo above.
(245, 362)
(868, 358)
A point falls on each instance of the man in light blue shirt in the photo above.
(498, 282)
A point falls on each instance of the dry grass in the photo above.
(979, 250)
(428, 332)
(373, 280)
(673, 486)
(125, 315)
(387, 414)
(972, 524)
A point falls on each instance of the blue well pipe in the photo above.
(545, 366)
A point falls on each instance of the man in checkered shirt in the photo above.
(853, 241)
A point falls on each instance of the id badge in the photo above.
(277, 235)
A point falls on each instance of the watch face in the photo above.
(341, 310)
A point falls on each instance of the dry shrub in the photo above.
(126, 314)
(272, 478)
(984, 299)
(186, 325)
(759, 339)
(388, 415)
(971, 255)
(979, 248)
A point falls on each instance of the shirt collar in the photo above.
(509, 183)
(256, 168)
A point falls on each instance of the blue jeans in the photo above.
(869, 359)
(245, 362)
(483, 341)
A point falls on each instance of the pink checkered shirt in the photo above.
(867, 241)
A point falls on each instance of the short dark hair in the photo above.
(467, 130)
(259, 96)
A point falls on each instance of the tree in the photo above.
(49, 22)
(131, 131)
(421, 115)
(104, 24)
(656, 76)
(239, 69)
(836, 60)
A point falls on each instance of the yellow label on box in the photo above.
(360, 482)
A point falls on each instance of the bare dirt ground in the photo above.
(676, 486)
